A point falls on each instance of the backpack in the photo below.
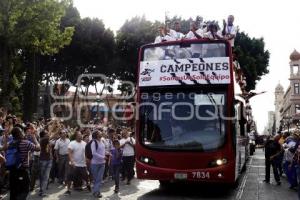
(88, 149)
(12, 156)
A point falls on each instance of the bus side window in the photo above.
(235, 126)
(236, 119)
(242, 120)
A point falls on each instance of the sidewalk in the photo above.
(252, 186)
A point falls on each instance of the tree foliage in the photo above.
(132, 35)
(253, 58)
(91, 50)
(29, 29)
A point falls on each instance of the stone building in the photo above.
(290, 105)
(279, 94)
(271, 122)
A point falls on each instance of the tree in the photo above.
(29, 29)
(91, 51)
(253, 58)
(184, 24)
(131, 36)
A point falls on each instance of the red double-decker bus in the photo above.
(189, 125)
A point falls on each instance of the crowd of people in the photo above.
(198, 30)
(50, 151)
(282, 152)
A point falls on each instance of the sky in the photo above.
(276, 21)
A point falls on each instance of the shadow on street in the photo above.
(191, 191)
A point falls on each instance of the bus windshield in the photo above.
(183, 120)
(194, 50)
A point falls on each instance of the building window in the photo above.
(295, 69)
(297, 109)
(296, 88)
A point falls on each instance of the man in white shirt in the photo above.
(128, 143)
(176, 33)
(163, 35)
(229, 30)
(195, 32)
(61, 151)
(213, 33)
(77, 163)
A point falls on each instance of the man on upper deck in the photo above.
(163, 35)
(176, 33)
(229, 30)
(195, 32)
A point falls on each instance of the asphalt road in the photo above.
(251, 187)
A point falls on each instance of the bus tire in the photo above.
(244, 168)
(235, 185)
(164, 184)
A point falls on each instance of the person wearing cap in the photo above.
(61, 151)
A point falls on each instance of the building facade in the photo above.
(289, 105)
(271, 122)
(279, 96)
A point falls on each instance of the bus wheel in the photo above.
(235, 185)
(164, 184)
(244, 168)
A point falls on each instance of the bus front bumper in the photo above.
(220, 174)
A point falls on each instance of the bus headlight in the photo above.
(147, 160)
(218, 162)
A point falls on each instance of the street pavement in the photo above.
(251, 187)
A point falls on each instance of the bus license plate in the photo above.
(180, 176)
(201, 175)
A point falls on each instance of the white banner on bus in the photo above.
(191, 71)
